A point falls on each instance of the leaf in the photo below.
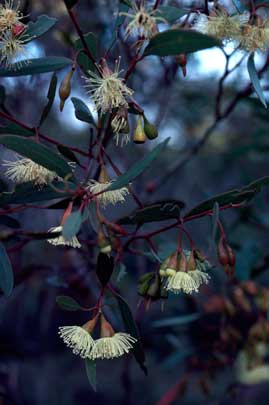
(68, 153)
(38, 28)
(91, 373)
(2, 95)
(138, 167)
(174, 42)
(50, 96)
(132, 329)
(36, 66)
(6, 273)
(255, 79)
(82, 111)
(215, 218)
(169, 13)
(176, 321)
(16, 130)
(38, 153)
(104, 268)
(72, 225)
(67, 303)
(83, 60)
(29, 193)
(10, 222)
(126, 2)
(70, 3)
(158, 211)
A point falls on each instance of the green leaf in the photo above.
(104, 268)
(6, 273)
(68, 153)
(169, 13)
(255, 79)
(38, 28)
(36, 66)
(29, 193)
(70, 3)
(16, 130)
(38, 153)
(91, 373)
(126, 2)
(138, 167)
(72, 225)
(51, 97)
(174, 42)
(176, 321)
(67, 303)
(83, 60)
(10, 222)
(215, 219)
(132, 329)
(2, 95)
(158, 211)
(82, 111)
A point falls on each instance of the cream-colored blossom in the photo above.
(143, 22)
(107, 197)
(61, 241)
(221, 25)
(10, 15)
(120, 127)
(200, 277)
(11, 48)
(78, 339)
(253, 38)
(251, 374)
(111, 347)
(181, 281)
(23, 170)
(108, 91)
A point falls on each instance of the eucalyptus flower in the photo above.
(254, 38)
(61, 241)
(10, 16)
(12, 47)
(108, 91)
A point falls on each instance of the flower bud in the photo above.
(226, 255)
(150, 130)
(191, 264)
(103, 243)
(182, 264)
(172, 264)
(106, 328)
(18, 29)
(181, 60)
(139, 133)
(65, 88)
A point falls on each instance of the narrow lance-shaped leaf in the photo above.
(104, 268)
(16, 130)
(174, 42)
(36, 66)
(83, 60)
(91, 373)
(255, 79)
(72, 225)
(82, 111)
(67, 303)
(51, 97)
(138, 167)
(38, 28)
(6, 273)
(38, 153)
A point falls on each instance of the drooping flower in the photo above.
(120, 127)
(254, 38)
(61, 241)
(12, 49)
(79, 338)
(251, 366)
(23, 170)
(182, 282)
(221, 25)
(143, 22)
(108, 91)
(107, 197)
(10, 16)
(111, 344)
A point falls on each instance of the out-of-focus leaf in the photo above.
(127, 2)
(6, 273)
(104, 268)
(255, 79)
(174, 42)
(29, 193)
(38, 153)
(67, 303)
(72, 225)
(176, 321)
(82, 111)
(83, 60)
(215, 218)
(36, 66)
(138, 167)
(2, 95)
(15, 130)
(170, 13)
(38, 28)
(50, 96)
(158, 211)
(10, 222)
(68, 153)
(91, 373)
(131, 328)
(257, 185)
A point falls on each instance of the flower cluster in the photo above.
(11, 30)
(249, 36)
(184, 271)
(110, 345)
